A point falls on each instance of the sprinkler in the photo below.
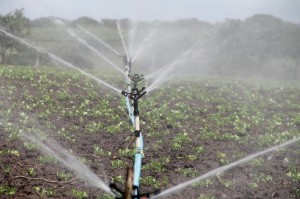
(135, 95)
(127, 62)
(136, 78)
(133, 173)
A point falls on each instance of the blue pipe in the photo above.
(128, 105)
(138, 163)
(138, 150)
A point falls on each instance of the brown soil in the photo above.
(243, 182)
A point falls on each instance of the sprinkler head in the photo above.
(136, 78)
(134, 96)
(126, 60)
(135, 93)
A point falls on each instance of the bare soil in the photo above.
(247, 181)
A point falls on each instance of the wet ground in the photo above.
(189, 128)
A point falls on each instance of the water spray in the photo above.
(123, 42)
(133, 94)
(94, 50)
(162, 74)
(127, 63)
(99, 40)
(69, 161)
(144, 45)
(56, 58)
(80, 40)
(224, 168)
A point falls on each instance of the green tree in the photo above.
(17, 24)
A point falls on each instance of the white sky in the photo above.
(204, 10)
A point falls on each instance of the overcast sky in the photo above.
(204, 10)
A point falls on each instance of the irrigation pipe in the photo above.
(132, 96)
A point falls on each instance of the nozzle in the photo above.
(125, 93)
(136, 78)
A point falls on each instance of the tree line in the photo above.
(261, 43)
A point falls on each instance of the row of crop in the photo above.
(180, 120)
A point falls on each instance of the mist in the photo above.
(205, 104)
(259, 46)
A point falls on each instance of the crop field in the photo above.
(190, 126)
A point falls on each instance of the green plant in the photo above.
(85, 161)
(31, 172)
(204, 183)
(202, 196)
(257, 162)
(105, 196)
(30, 146)
(263, 178)
(7, 190)
(79, 194)
(222, 157)
(10, 152)
(180, 140)
(296, 119)
(118, 164)
(94, 127)
(296, 191)
(48, 159)
(191, 157)
(7, 169)
(155, 165)
(258, 179)
(226, 183)
(64, 176)
(126, 152)
(188, 172)
(294, 173)
(199, 149)
(119, 179)
(151, 181)
(100, 151)
(115, 128)
(252, 185)
(49, 192)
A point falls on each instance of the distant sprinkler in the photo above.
(127, 62)
(136, 78)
